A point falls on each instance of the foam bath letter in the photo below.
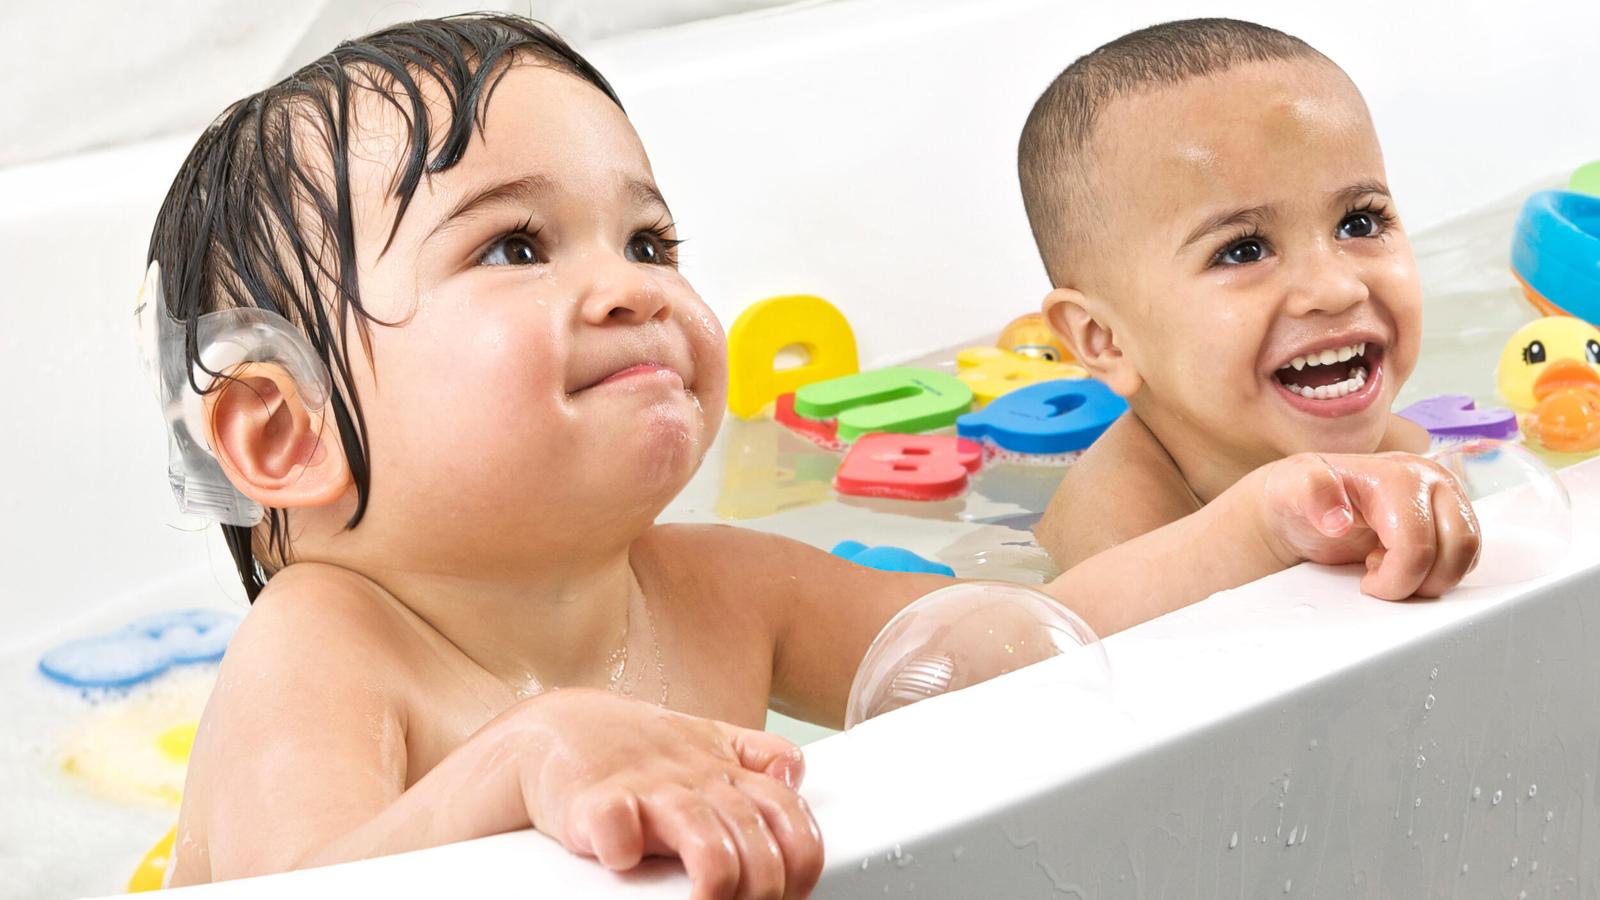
(905, 400)
(769, 326)
(760, 477)
(889, 559)
(141, 649)
(992, 372)
(908, 466)
(1457, 417)
(1048, 418)
(822, 432)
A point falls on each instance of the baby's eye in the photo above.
(1592, 350)
(1242, 252)
(1533, 354)
(648, 247)
(511, 250)
(1359, 225)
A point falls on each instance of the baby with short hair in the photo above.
(465, 618)
(1209, 200)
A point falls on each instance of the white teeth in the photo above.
(1327, 357)
(1357, 380)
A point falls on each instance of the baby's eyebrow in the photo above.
(526, 191)
(519, 192)
(1354, 192)
(1248, 216)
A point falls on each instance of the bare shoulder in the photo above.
(314, 687)
(1123, 486)
(1406, 436)
(322, 617)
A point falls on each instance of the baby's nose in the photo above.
(1325, 283)
(627, 298)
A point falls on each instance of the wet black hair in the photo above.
(260, 213)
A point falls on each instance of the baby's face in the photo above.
(1254, 267)
(550, 368)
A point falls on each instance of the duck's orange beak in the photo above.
(1565, 373)
(1567, 420)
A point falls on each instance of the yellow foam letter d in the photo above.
(773, 324)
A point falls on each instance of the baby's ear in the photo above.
(1091, 339)
(274, 450)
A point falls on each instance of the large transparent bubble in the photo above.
(961, 635)
(1522, 506)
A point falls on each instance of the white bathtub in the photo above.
(864, 151)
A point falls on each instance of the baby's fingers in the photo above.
(679, 823)
(1409, 542)
(605, 823)
(795, 829)
(1459, 540)
(769, 754)
(761, 868)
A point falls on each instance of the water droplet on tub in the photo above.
(865, 863)
(1428, 703)
(1293, 833)
(1233, 841)
(1495, 800)
(1433, 674)
(1418, 804)
(1533, 790)
(1514, 861)
(1288, 885)
(1476, 792)
(1421, 760)
(1549, 815)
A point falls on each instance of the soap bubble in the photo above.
(967, 633)
(1522, 507)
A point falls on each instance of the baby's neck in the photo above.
(553, 625)
(1206, 469)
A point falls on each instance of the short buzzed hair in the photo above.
(1053, 153)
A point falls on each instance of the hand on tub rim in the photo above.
(1405, 517)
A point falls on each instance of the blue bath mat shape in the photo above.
(142, 649)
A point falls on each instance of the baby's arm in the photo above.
(303, 757)
(1404, 516)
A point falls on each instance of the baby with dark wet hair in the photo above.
(466, 619)
(1209, 200)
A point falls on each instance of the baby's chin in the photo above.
(1361, 432)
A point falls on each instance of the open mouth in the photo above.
(1331, 374)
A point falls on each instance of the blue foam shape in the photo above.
(1556, 249)
(889, 559)
(1062, 416)
(142, 649)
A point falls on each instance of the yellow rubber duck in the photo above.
(1550, 372)
(1030, 335)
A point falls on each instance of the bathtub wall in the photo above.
(860, 150)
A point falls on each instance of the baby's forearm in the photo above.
(480, 789)
(1221, 546)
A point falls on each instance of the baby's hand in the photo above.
(620, 779)
(1405, 516)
